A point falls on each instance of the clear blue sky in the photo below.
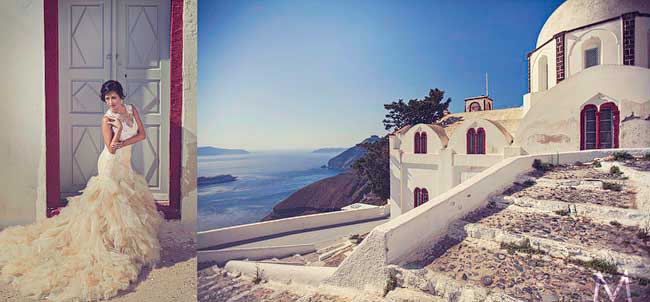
(311, 74)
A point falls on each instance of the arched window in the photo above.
(480, 141)
(542, 74)
(471, 144)
(476, 141)
(416, 143)
(475, 106)
(599, 126)
(423, 142)
(592, 57)
(420, 196)
(416, 197)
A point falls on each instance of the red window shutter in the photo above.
(589, 127)
(480, 143)
(416, 197)
(423, 142)
(416, 143)
(615, 117)
(470, 141)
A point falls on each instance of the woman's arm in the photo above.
(110, 138)
(141, 133)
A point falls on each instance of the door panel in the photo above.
(84, 64)
(124, 40)
(143, 66)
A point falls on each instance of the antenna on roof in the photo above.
(486, 84)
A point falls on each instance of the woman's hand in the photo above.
(116, 145)
(115, 123)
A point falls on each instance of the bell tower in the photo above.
(478, 103)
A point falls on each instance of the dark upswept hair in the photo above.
(111, 85)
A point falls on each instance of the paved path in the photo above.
(321, 235)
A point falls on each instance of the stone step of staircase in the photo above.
(602, 214)
(636, 266)
(435, 285)
(579, 231)
(621, 197)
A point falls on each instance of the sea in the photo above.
(264, 178)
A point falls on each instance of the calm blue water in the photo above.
(264, 179)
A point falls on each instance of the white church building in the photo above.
(588, 88)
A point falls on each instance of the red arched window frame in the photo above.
(591, 125)
(425, 196)
(416, 143)
(471, 146)
(423, 142)
(474, 106)
(416, 197)
(480, 141)
(615, 118)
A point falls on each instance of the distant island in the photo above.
(329, 150)
(344, 160)
(211, 180)
(219, 151)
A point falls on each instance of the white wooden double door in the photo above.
(123, 40)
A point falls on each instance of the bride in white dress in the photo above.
(99, 242)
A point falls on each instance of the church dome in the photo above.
(576, 13)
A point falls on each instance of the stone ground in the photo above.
(174, 279)
(537, 254)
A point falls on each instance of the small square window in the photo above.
(591, 57)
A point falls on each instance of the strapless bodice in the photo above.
(129, 125)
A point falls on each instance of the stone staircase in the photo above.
(544, 238)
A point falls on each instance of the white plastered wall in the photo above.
(409, 171)
(495, 138)
(553, 122)
(419, 176)
(22, 155)
(549, 51)
(189, 165)
(434, 142)
(606, 35)
(395, 176)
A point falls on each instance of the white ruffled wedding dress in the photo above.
(99, 241)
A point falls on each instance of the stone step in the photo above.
(636, 265)
(577, 172)
(579, 231)
(441, 286)
(581, 194)
(411, 295)
(603, 214)
(487, 268)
